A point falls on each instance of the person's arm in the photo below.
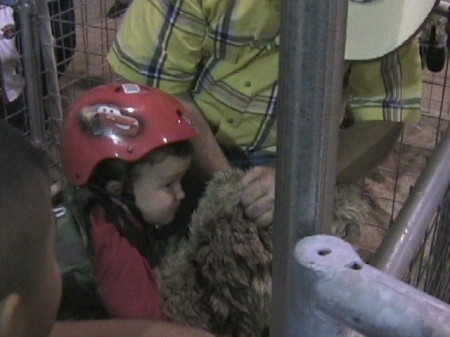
(124, 328)
(208, 156)
(258, 194)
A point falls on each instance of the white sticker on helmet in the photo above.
(131, 88)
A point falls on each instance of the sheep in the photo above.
(219, 278)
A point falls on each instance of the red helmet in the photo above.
(124, 121)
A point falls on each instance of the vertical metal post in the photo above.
(312, 36)
(31, 64)
(49, 62)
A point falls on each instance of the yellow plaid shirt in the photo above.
(225, 53)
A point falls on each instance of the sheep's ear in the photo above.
(10, 323)
(114, 187)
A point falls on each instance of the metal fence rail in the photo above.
(338, 290)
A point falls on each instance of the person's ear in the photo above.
(9, 315)
(114, 187)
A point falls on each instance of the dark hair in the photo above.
(24, 192)
(120, 170)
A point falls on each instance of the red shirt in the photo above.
(124, 277)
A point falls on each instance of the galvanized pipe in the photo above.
(339, 288)
(404, 238)
(49, 61)
(312, 36)
(27, 11)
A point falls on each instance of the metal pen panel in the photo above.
(27, 10)
(310, 84)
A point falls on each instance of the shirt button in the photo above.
(248, 84)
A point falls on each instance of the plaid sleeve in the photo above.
(160, 43)
(389, 88)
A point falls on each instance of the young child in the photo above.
(125, 149)
(30, 282)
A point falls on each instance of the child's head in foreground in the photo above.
(30, 283)
(131, 142)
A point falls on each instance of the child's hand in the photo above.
(258, 194)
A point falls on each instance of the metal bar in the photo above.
(310, 84)
(31, 63)
(403, 239)
(337, 288)
(49, 62)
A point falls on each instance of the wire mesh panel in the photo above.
(31, 110)
(430, 271)
(94, 33)
(388, 187)
(74, 37)
(13, 104)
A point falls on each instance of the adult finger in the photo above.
(257, 183)
(261, 211)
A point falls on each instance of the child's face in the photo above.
(157, 188)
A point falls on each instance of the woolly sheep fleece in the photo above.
(220, 277)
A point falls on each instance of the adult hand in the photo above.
(258, 194)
